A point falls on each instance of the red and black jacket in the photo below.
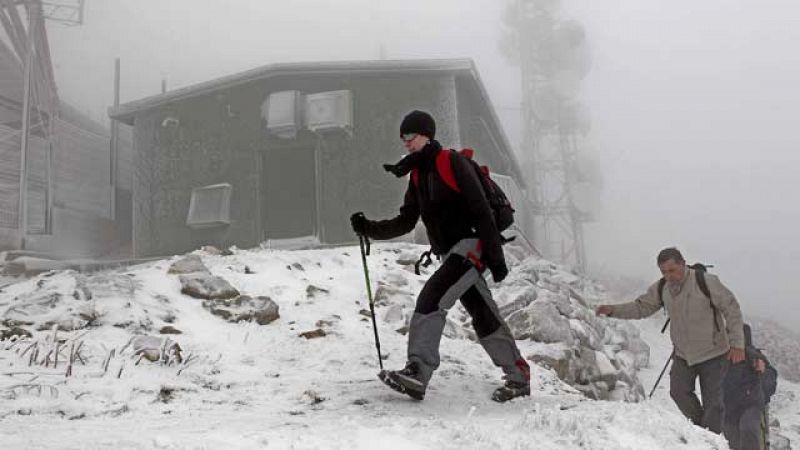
(449, 216)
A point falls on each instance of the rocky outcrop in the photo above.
(597, 356)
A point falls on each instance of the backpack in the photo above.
(498, 201)
(700, 270)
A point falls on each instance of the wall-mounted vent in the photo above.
(210, 206)
(283, 113)
(326, 111)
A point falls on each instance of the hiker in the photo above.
(702, 342)
(462, 231)
(746, 390)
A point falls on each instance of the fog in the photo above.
(693, 105)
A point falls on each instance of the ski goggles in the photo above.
(408, 137)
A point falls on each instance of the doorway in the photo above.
(289, 186)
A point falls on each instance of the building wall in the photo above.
(476, 134)
(220, 137)
(191, 144)
(80, 223)
(353, 178)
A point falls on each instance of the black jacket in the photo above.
(743, 387)
(449, 216)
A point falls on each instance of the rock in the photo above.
(312, 291)
(319, 332)
(586, 370)
(64, 324)
(606, 372)
(387, 295)
(206, 286)
(261, 310)
(14, 268)
(779, 442)
(593, 391)
(15, 331)
(365, 313)
(587, 335)
(541, 322)
(154, 349)
(521, 301)
(169, 329)
(188, 264)
(395, 313)
(211, 250)
(557, 359)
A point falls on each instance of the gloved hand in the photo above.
(394, 169)
(359, 223)
(499, 272)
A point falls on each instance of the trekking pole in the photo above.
(363, 242)
(672, 355)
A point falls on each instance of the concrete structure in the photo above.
(288, 151)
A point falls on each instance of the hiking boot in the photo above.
(512, 389)
(406, 381)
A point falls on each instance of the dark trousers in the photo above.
(682, 380)
(743, 431)
(458, 279)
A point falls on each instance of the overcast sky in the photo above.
(693, 104)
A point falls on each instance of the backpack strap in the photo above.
(661, 283)
(424, 260)
(445, 169)
(700, 277)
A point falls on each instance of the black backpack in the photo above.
(498, 201)
(700, 270)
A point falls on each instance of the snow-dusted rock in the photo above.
(541, 322)
(561, 315)
(206, 286)
(156, 349)
(586, 334)
(387, 294)
(188, 264)
(521, 300)
(14, 331)
(261, 310)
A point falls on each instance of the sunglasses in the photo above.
(408, 137)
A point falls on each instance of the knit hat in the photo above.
(418, 122)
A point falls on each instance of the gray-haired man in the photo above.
(703, 342)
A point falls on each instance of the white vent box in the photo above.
(283, 113)
(327, 111)
(210, 206)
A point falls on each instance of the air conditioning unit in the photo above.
(210, 206)
(327, 111)
(283, 113)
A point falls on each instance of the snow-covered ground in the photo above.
(263, 386)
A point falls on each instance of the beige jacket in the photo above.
(692, 329)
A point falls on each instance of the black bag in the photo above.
(498, 200)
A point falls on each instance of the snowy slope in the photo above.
(252, 386)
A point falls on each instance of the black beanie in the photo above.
(418, 122)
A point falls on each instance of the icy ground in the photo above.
(250, 386)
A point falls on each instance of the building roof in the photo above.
(464, 67)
